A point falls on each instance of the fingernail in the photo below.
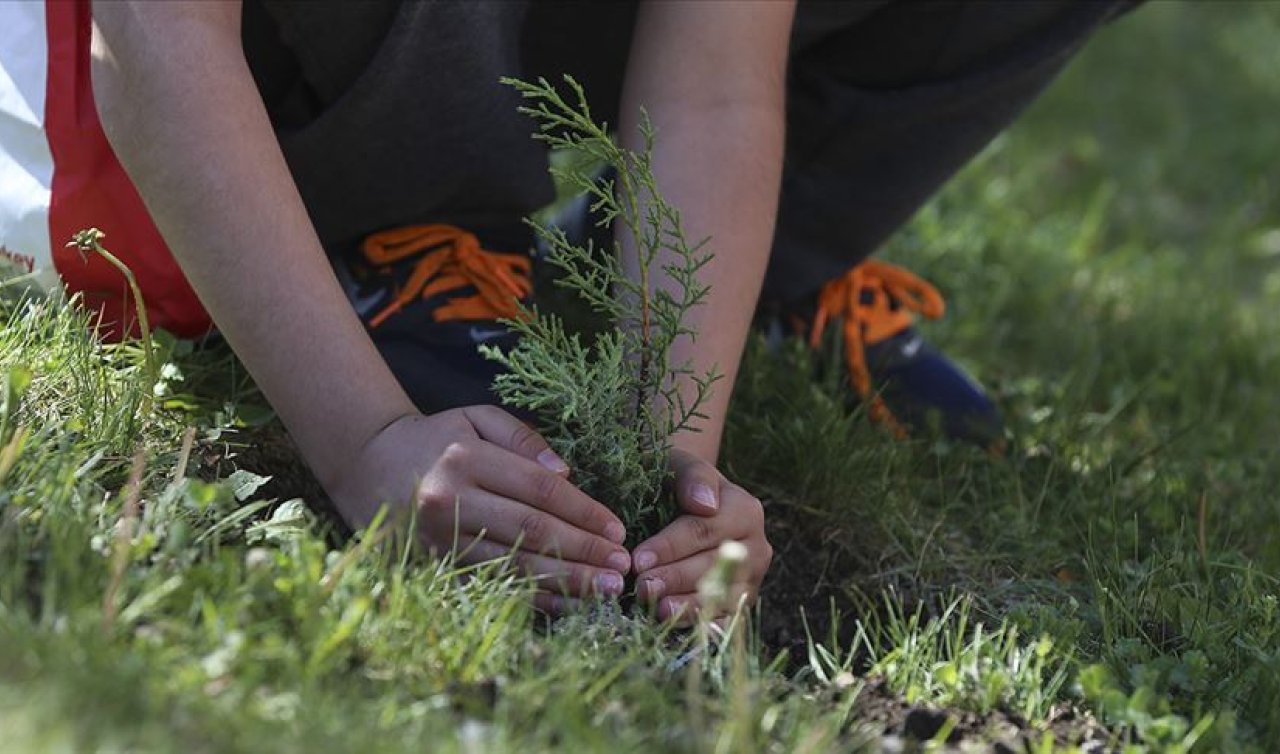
(672, 609)
(653, 589)
(620, 562)
(615, 532)
(552, 462)
(704, 495)
(645, 560)
(609, 584)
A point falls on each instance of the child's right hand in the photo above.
(486, 485)
(187, 121)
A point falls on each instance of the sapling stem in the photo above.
(610, 407)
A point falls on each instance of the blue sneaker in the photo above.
(430, 295)
(906, 383)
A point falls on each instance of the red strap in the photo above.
(91, 189)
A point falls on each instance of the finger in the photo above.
(685, 609)
(683, 577)
(680, 577)
(556, 604)
(680, 609)
(697, 484)
(741, 516)
(501, 473)
(506, 431)
(682, 538)
(552, 575)
(513, 524)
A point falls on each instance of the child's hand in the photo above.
(669, 564)
(483, 483)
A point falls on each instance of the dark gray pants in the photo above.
(391, 113)
(886, 100)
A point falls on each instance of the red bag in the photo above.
(59, 175)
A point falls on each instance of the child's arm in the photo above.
(182, 112)
(712, 78)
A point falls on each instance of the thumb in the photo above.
(506, 431)
(697, 484)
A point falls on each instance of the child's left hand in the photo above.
(669, 564)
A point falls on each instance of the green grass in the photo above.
(170, 620)
(1112, 266)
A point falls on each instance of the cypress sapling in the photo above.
(610, 407)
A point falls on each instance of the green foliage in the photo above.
(1144, 720)
(610, 407)
(952, 660)
(955, 661)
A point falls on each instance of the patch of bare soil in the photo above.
(807, 584)
(906, 727)
(268, 451)
(817, 572)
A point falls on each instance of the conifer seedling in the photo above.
(610, 407)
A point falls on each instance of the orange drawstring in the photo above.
(872, 321)
(454, 260)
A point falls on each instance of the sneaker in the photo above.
(429, 295)
(906, 383)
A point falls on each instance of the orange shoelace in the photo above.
(451, 259)
(863, 297)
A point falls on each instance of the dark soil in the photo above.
(269, 451)
(808, 584)
(904, 726)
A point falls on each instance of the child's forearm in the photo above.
(182, 112)
(712, 78)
